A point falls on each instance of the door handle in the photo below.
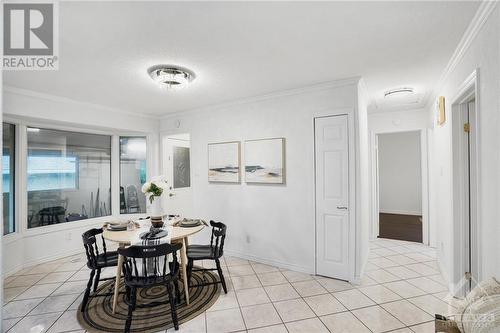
(342, 207)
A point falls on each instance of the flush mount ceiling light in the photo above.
(171, 77)
(404, 91)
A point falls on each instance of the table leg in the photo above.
(183, 267)
(118, 278)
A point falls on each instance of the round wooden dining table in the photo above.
(125, 238)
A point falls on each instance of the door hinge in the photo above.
(468, 276)
(466, 127)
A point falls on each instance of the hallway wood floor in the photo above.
(401, 227)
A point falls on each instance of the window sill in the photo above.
(92, 222)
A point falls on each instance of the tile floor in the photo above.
(400, 292)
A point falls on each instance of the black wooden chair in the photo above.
(214, 251)
(97, 259)
(152, 271)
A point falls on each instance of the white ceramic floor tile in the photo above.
(66, 323)
(224, 321)
(295, 309)
(380, 294)
(353, 299)
(403, 272)
(245, 282)
(401, 259)
(273, 278)
(19, 308)
(344, 322)
(422, 269)
(281, 292)
(74, 287)
(293, 276)
(280, 328)
(195, 325)
(377, 319)
(382, 276)
(39, 290)
(260, 316)
(407, 313)
(309, 288)
(313, 325)
(424, 328)
(427, 285)
(432, 305)
(383, 262)
(38, 324)
(240, 270)
(225, 301)
(324, 304)
(56, 277)
(404, 289)
(252, 296)
(24, 280)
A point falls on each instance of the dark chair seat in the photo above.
(200, 252)
(108, 259)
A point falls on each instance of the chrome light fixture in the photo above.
(398, 92)
(171, 77)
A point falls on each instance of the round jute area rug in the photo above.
(99, 316)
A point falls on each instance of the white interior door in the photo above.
(180, 202)
(332, 210)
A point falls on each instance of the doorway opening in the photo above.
(465, 186)
(176, 166)
(400, 186)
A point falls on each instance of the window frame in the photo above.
(120, 165)
(20, 185)
(13, 177)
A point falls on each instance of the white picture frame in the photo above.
(224, 162)
(265, 161)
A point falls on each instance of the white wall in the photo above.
(269, 223)
(400, 178)
(484, 54)
(398, 121)
(26, 247)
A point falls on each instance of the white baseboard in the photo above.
(400, 212)
(268, 261)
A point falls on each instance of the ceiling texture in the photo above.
(244, 49)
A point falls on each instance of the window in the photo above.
(132, 174)
(8, 160)
(69, 176)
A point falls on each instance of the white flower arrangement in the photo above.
(155, 187)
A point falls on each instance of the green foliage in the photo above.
(155, 192)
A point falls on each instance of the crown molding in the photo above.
(259, 98)
(470, 34)
(60, 99)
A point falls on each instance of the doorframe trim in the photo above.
(469, 88)
(375, 193)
